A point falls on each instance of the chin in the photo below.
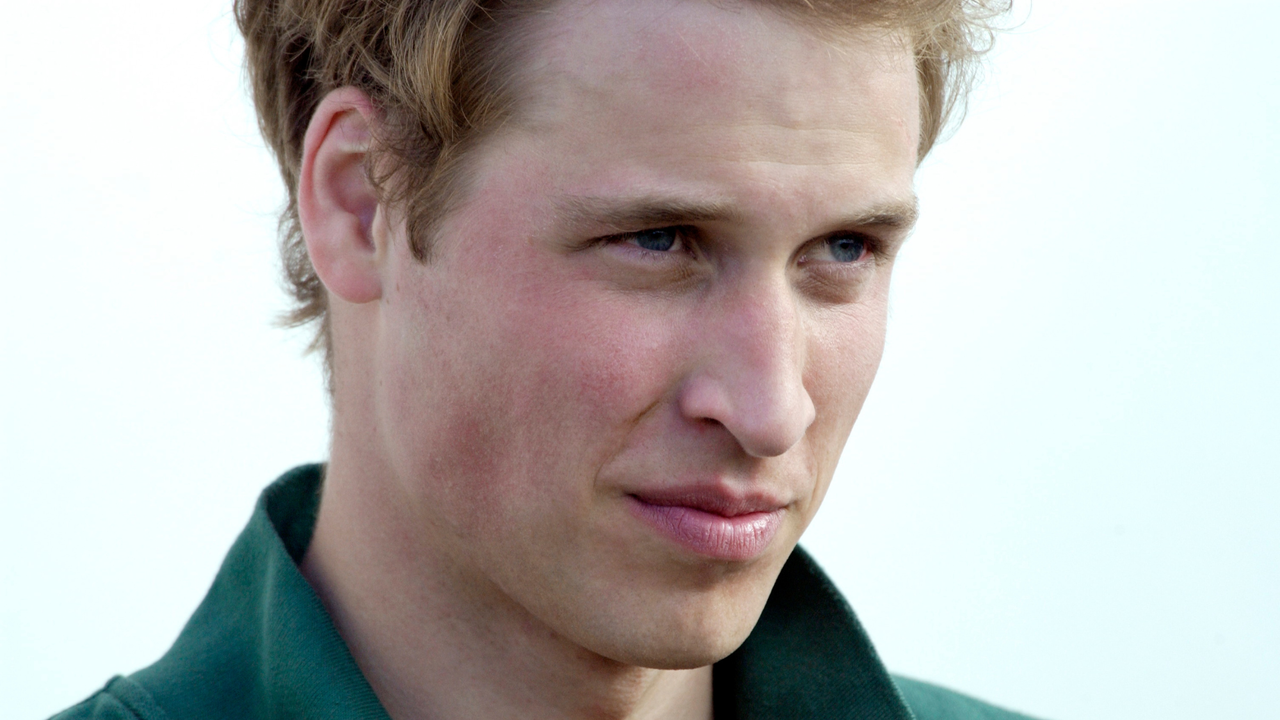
(661, 614)
(683, 655)
(679, 641)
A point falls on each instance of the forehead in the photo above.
(731, 103)
(598, 54)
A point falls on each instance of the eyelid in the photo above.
(873, 247)
(684, 237)
(876, 248)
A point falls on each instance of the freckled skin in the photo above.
(517, 388)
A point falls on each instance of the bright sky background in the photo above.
(1063, 494)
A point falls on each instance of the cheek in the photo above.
(845, 354)
(515, 384)
(588, 369)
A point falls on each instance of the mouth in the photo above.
(712, 525)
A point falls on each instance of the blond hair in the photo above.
(439, 72)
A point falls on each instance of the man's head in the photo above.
(443, 73)
(612, 394)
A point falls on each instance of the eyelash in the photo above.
(871, 245)
(870, 248)
(682, 237)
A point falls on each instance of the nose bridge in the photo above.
(751, 379)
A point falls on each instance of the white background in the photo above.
(1061, 496)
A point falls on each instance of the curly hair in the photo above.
(440, 73)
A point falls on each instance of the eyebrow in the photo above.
(897, 215)
(635, 213)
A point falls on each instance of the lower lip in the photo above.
(738, 538)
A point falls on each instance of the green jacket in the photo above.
(261, 646)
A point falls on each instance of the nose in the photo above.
(749, 376)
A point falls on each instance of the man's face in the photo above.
(615, 396)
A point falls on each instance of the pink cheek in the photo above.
(599, 367)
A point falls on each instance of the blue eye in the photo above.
(658, 239)
(847, 248)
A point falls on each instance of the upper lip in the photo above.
(716, 500)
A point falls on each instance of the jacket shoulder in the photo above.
(930, 702)
(121, 699)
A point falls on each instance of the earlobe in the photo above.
(337, 203)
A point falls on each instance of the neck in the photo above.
(434, 642)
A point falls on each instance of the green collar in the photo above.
(262, 646)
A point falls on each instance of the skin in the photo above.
(497, 409)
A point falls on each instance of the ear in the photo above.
(336, 201)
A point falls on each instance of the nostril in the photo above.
(765, 418)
